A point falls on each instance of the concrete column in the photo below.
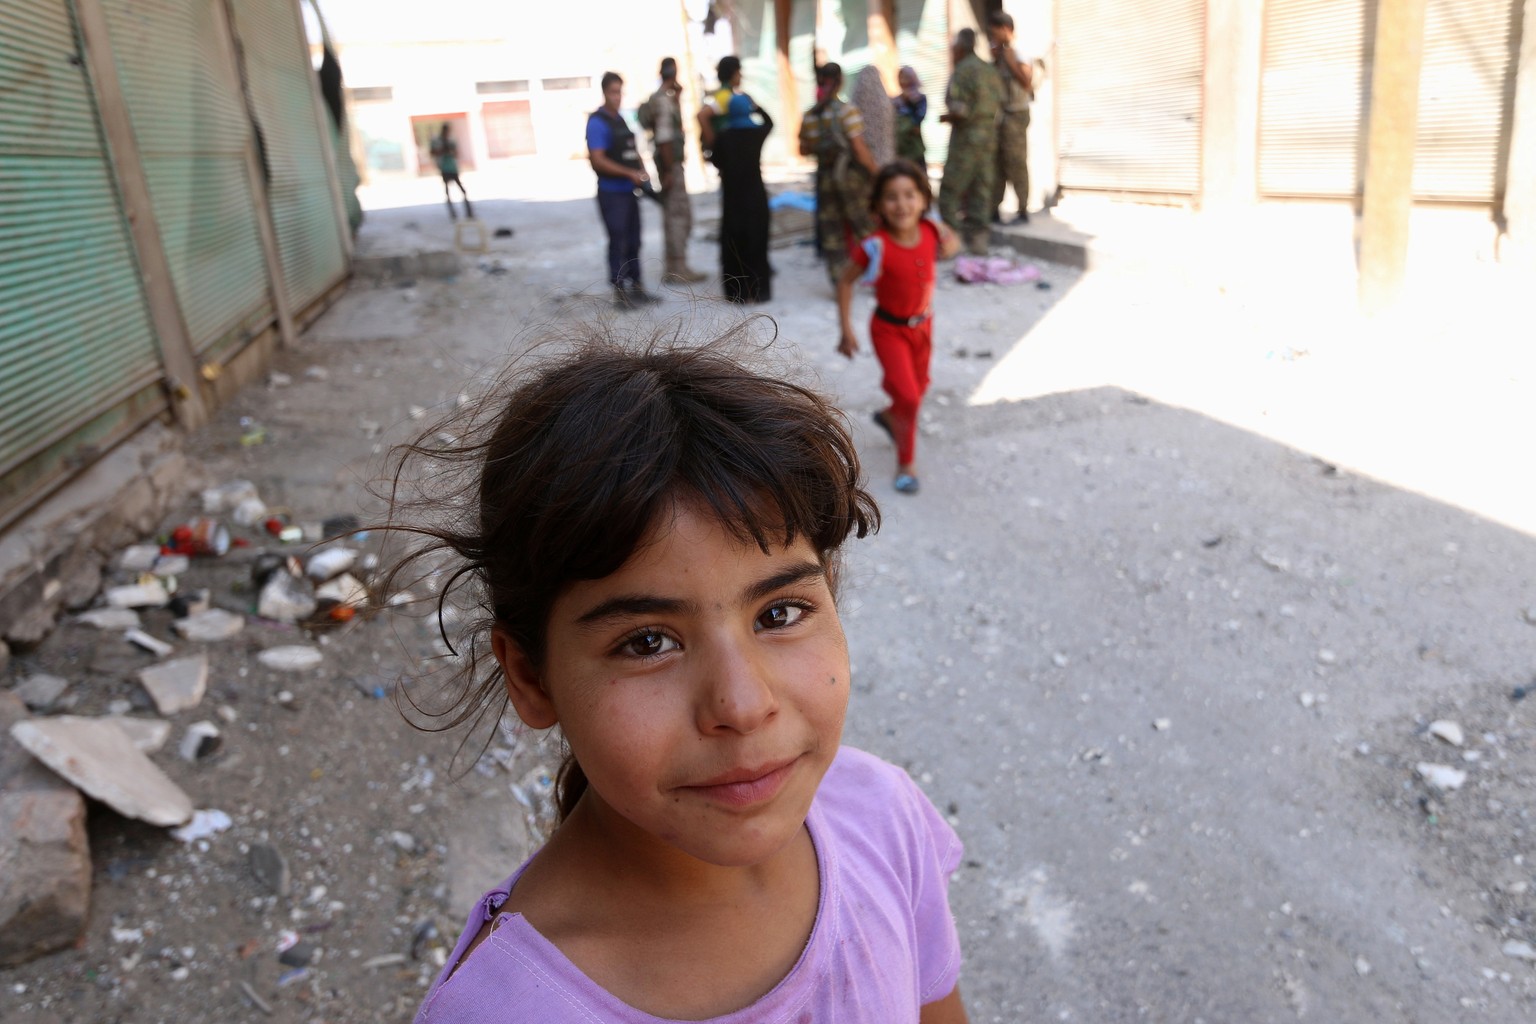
(882, 41)
(1393, 129)
(788, 93)
(1517, 245)
(1229, 133)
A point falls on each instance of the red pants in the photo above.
(904, 354)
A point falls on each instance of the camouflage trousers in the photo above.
(965, 194)
(1012, 160)
(676, 224)
(842, 208)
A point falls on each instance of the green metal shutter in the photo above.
(1129, 94)
(1313, 97)
(194, 136)
(79, 365)
(1464, 83)
(922, 40)
(284, 94)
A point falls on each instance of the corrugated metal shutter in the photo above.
(1129, 94)
(1313, 97)
(757, 45)
(78, 359)
(1468, 65)
(283, 92)
(922, 40)
(194, 137)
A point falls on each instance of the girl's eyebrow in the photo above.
(625, 605)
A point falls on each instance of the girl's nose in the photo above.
(736, 693)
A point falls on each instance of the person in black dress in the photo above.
(737, 154)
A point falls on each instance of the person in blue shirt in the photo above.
(615, 158)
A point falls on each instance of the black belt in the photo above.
(903, 321)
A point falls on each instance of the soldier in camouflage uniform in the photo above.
(662, 115)
(974, 99)
(833, 131)
(1017, 80)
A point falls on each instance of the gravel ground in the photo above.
(1164, 636)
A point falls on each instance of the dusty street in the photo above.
(1193, 571)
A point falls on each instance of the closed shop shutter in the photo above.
(1464, 83)
(922, 40)
(284, 94)
(757, 45)
(1129, 94)
(79, 365)
(194, 137)
(508, 128)
(1312, 97)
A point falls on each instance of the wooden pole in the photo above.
(1392, 132)
(882, 42)
(787, 90)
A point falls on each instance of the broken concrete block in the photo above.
(209, 626)
(138, 557)
(330, 562)
(286, 598)
(138, 595)
(45, 886)
(344, 590)
(226, 496)
(292, 658)
(110, 618)
(176, 685)
(148, 734)
(98, 757)
(40, 692)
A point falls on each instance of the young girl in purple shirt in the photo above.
(653, 532)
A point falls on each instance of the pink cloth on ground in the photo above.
(883, 945)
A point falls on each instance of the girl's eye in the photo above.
(648, 643)
(780, 615)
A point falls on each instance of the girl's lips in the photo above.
(748, 787)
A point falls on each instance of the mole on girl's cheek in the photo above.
(832, 681)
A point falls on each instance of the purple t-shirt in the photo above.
(884, 943)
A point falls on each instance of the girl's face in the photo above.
(901, 204)
(702, 689)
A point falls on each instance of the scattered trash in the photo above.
(249, 512)
(344, 590)
(502, 233)
(994, 270)
(270, 868)
(226, 497)
(256, 1000)
(252, 433)
(141, 639)
(1162, 724)
(1043, 285)
(1441, 776)
(297, 954)
(1326, 657)
(1362, 966)
(373, 963)
(404, 841)
(268, 562)
(1519, 693)
(1519, 950)
(425, 934)
(317, 373)
(330, 562)
(286, 597)
(1447, 730)
(289, 977)
(292, 658)
(370, 686)
(339, 526)
(184, 605)
(278, 380)
(793, 201)
(202, 739)
(204, 824)
(138, 557)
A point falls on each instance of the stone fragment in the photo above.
(45, 883)
(270, 868)
(138, 557)
(171, 565)
(40, 692)
(147, 734)
(1447, 730)
(154, 645)
(209, 626)
(138, 595)
(291, 658)
(176, 685)
(249, 512)
(1530, 615)
(1162, 724)
(1441, 776)
(330, 562)
(343, 590)
(1519, 950)
(110, 618)
(98, 757)
(286, 598)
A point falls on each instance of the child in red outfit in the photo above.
(901, 259)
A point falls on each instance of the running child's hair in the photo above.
(557, 474)
(900, 168)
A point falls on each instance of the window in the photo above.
(583, 82)
(373, 93)
(511, 85)
(508, 128)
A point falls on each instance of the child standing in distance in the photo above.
(901, 260)
(654, 535)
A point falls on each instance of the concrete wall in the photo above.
(1517, 244)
